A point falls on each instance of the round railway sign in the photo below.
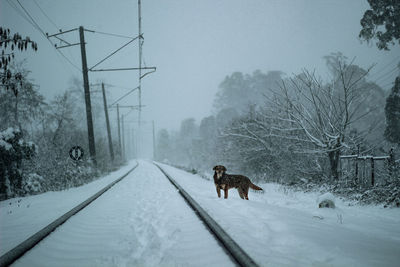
(76, 153)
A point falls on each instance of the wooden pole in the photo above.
(123, 137)
(110, 146)
(154, 143)
(119, 132)
(92, 147)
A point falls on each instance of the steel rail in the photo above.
(231, 247)
(14, 254)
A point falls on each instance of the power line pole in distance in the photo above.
(110, 146)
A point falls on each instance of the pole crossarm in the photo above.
(114, 52)
(112, 34)
(119, 69)
(141, 77)
(64, 46)
(62, 40)
(131, 107)
(48, 36)
(131, 91)
(144, 122)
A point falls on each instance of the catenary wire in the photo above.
(44, 13)
(36, 26)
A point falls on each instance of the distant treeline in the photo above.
(287, 129)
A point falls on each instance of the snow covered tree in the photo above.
(208, 134)
(382, 22)
(325, 113)
(13, 149)
(392, 111)
(8, 44)
(17, 110)
(163, 145)
(187, 133)
(239, 91)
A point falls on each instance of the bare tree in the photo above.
(324, 112)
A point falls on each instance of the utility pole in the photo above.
(92, 147)
(119, 132)
(123, 137)
(140, 69)
(110, 146)
(154, 143)
(134, 143)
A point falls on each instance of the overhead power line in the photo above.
(44, 13)
(114, 52)
(388, 74)
(113, 34)
(26, 15)
(131, 91)
(394, 60)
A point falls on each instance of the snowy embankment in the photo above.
(286, 228)
(23, 216)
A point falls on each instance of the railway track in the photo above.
(17, 252)
(232, 249)
(238, 255)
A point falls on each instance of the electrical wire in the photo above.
(12, 4)
(44, 13)
(34, 22)
(394, 60)
(113, 34)
(389, 84)
(388, 74)
(118, 86)
(37, 27)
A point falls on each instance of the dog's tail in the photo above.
(253, 186)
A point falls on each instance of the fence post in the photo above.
(358, 154)
(372, 171)
(391, 162)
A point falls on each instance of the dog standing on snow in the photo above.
(225, 181)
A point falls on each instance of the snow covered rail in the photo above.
(232, 248)
(17, 252)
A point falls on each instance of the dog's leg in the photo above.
(241, 193)
(246, 193)
(218, 190)
(226, 191)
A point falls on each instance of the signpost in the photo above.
(76, 153)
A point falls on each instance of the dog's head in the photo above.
(219, 170)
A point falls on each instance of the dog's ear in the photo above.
(214, 168)
(224, 168)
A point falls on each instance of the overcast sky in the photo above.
(194, 45)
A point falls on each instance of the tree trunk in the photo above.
(334, 163)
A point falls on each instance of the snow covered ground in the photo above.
(285, 228)
(143, 221)
(22, 217)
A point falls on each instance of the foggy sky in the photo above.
(194, 45)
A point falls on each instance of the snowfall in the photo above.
(143, 221)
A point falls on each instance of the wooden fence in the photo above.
(369, 170)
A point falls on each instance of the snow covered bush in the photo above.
(32, 183)
(13, 149)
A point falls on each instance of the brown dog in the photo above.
(227, 181)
